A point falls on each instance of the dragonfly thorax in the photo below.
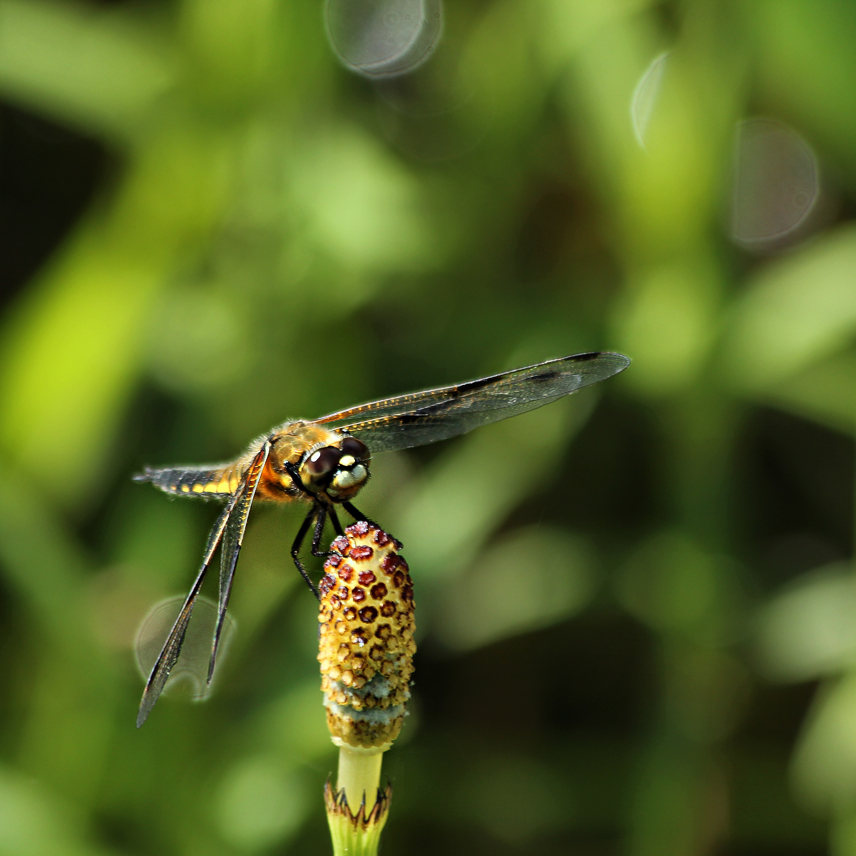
(339, 471)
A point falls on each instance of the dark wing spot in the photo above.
(411, 418)
(593, 355)
(472, 386)
(545, 376)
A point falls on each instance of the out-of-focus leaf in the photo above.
(804, 65)
(156, 541)
(529, 579)
(232, 46)
(295, 724)
(516, 797)
(663, 196)
(359, 206)
(798, 310)
(669, 190)
(503, 85)
(569, 24)
(824, 765)
(95, 312)
(71, 692)
(72, 349)
(824, 392)
(662, 800)
(80, 64)
(35, 823)
(667, 322)
(259, 803)
(765, 810)
(673, 584)
(808, 630)
(198, 341)
(44, 565)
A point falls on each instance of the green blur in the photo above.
(636, 607)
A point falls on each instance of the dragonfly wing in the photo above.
(172, 647)
(593, 366)
(470, 405)
(233, 538)
(387, 407)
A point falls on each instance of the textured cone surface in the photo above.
(366, 646)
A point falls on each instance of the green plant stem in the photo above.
(359, 775)
(357, 809)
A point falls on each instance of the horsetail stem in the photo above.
(366, 652)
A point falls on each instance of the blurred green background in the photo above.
(635, 607)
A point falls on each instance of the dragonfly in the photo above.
(326, 462)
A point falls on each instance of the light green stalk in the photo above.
(357, 833)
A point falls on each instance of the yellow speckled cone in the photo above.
(366, 646)
(366, 652)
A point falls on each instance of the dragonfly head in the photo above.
(340, 471)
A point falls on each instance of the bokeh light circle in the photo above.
(189, 676)
(384, 38)
(776, 184)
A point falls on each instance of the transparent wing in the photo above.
(233, 538)
(172, 647)
(189, 676)
(437, 414)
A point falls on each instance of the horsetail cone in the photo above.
(366, 642)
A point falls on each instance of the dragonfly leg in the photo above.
(298, 543)
(319, 532)
(334, 519)
(354, 512)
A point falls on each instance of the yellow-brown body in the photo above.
(292, 446)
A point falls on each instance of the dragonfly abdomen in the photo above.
(206, 483)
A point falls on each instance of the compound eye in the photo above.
(323, 461)
(356, 448)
